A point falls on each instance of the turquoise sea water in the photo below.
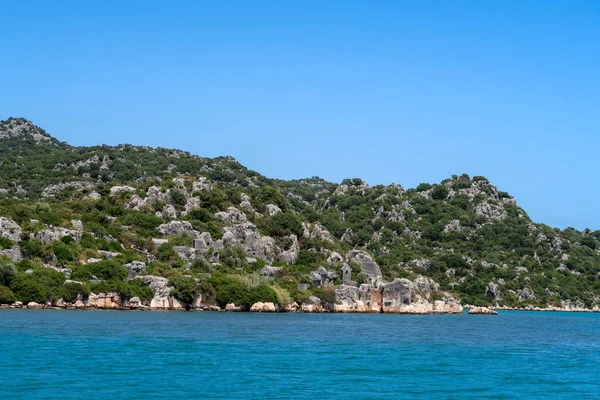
(47, 354)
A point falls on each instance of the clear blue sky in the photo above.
(388, 91)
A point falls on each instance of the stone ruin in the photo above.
(322, 277)
(346, 274)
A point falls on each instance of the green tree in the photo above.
(6, 295)
(7, 273)
(28, 290)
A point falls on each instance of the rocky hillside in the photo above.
(151, 227)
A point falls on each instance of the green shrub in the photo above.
(71, 290)
(6, 295)
(589, 241)
(127, 290)
(186, 289)
(439, 192)
(50, 218)
(230, 291)
(106, 269)
(262, 293)
(144, 222)
(5, 243)
(27, 289)
(177, 197)
(63, 252)
(282, 224)
(325, 294)
(32, 248)
(7, 273)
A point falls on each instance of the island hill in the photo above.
(141, 227)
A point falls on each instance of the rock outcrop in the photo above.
(263, 307)
(401, 296)
(55, 233)
(247, 236)
(316, 231)
(161, 291)
(177, 228)
(10, 229)
(119, 190)
(231, 216)
(135, 268)
(482, 311)
(104, 301)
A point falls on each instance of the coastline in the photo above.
(271, 309)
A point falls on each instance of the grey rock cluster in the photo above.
(316, 231)
(368, 265)
(56, 233)
(135, 268)
(177, 228)
(254, 245)
(10, 229)
(53, 190)
(231, 216)
(15, 128)
(398, 296)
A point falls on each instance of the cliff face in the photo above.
(207, 227)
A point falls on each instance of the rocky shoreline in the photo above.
(268, 307)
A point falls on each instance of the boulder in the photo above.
(231, 216)
(34, 305)
(119, 190)
(169, 212)
(231, 307)
(135, 268)
(447, 306)
(60, 303)
(368, 266)
(453, 226)
(272, 209)
(482, 311)
(104, 300)
(193, 203)
(177, 228)
(334, 258)
(162, 299)
(94, 196)
(311, 308)
(425, 286)
(492, 290)
(246, 235)
(316, 231)
(314, 300)
(263, 307)
(134, 303)
(108, 254)
(55, 233)
(10, 229)
(290, 255)
(525, 294)
(13, 254)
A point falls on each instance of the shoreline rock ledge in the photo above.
(482, 311)
(401, 296)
